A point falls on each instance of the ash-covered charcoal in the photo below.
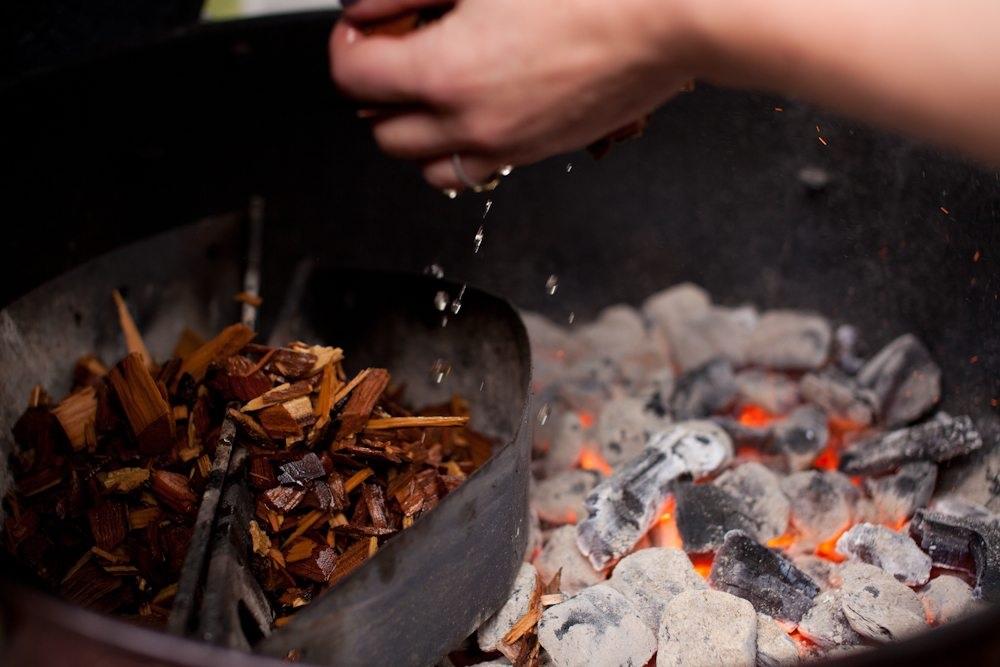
(821, 504)
(650, 578)
(839, 397)
(696, 330)
(801, 436)
(849, 349)
(962, 544)
(624, 427)
(551, 347)
(567, 436)
(492, 632)
(617, 332)
(877, 606)
(904, 379)
(946, 598)
(597, 627)
(974, 478)
(822, 571)
(789, 340)
(623, 507)
(747, 569)
(896, 497)
(940, 439)
(707, 628)
(963, 509)
(774, 647)
(654, 389)
(561, 553)
(560, 499)
(774, 392)
(825, 623)
(757, 490)
(705, 514)
(895, 553)
(704, 390)
(300, 472)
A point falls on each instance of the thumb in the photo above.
(371, 11)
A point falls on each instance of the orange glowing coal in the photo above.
(828, 549)
(755, 416)
(664, 532)
(591, 460)
(783, 541)
(586, 418)
(702, 564)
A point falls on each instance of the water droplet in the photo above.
(543, 414)
(506, 169)
(552, 284)
(440, 370)
(434, 270)
(441, 300)
(572, 317)
(477, 240)
(456, 303)
(450, 193)
(569, 167)
(489, 205)
(444, 321)
(482, 385)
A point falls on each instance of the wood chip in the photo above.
(261, 542)
(174, 491)
(142, 517)
(147, 412)
(123, 480)
(107, 524)
(279, 394)
(390, 423)
(358, 477)
(362, 401)
(249, 299)
(74, 413)
(133, 339)
(230, 340)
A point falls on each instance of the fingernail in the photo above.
(352, 35)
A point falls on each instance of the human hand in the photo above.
(503, 82)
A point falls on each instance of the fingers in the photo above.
(374, 68)
(416, 136)
(441, 173)
(367, 11)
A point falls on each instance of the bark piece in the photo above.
(298, 473)
(148, 413)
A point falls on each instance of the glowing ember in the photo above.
(591, 460)
(828, 549)
(665, 533)
(829, 458)
(755, 416)
(783, 541)
(586, 418)
(747, 453)
(702, 564)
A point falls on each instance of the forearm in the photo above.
(927, 67)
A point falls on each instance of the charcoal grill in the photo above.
(895, 236)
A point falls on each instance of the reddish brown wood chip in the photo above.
(293, 364)
(261, 473)
(238, 380)
(318, 566)
(361, 402)
(229, 341)
(108, 524)
(174, 491)
(147, 412)
(284, 498)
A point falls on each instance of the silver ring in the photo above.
(463, 177)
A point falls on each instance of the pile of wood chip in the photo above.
(108, 480)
